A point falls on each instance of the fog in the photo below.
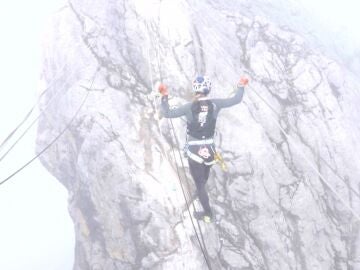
(35, 229)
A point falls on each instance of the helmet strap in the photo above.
(198, 95)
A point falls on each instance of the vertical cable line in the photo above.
(56, 138)
(204, 249)
(337, 195)
(200, 241)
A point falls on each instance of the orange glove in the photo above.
(163, 89)
(243, 82)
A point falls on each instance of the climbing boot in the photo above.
(201, 215)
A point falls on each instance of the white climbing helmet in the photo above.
(202, 84)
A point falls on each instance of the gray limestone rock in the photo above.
(290, 197)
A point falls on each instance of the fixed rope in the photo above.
(11, 134)
(34, 121)
(54, 140)
(200, 238)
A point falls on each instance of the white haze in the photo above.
(35, 229)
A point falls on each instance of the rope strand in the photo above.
(200, 241)
(53, 141)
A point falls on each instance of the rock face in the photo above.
(290, 196)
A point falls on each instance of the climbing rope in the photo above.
(12, 133)
(49, 102)
(200, 238)
(27, 116)
(55, 139)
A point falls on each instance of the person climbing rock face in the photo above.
(201, 115)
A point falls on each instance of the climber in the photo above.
(201, 115)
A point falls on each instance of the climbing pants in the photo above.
(200, 173)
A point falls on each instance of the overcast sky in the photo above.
(35, 229)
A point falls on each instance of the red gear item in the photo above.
(243, 81)
(163, 89)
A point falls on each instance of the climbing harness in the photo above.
(218, 159)
(201, 142)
